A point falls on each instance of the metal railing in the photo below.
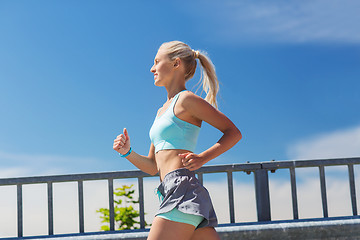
(261, 182)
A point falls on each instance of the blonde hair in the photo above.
(210, 83)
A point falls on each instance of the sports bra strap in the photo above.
(173, 102)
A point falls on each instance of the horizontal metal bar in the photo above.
(309, 163)
(229, 167)
(74, 177)
(119, 174)
(206, 169)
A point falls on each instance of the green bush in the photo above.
(124, 212)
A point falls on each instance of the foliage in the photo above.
(124, 212)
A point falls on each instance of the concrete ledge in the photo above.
(330, 228)
(334, 228)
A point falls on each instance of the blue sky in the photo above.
(73, 74)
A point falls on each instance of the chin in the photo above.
(158, 84)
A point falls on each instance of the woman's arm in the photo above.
(144, 163)
(202, 110)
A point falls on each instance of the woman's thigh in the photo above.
(207, 233)
(163, 229)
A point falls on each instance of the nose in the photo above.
(152, 69)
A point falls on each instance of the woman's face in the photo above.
(163, 68)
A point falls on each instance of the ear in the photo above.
(177, 62)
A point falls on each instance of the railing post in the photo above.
(111, 204)
(352, 188)
(262, 195)
(50, 209)
(231, 196)
(200, 178)
(19, 210)
(141, 202)
(294, 193)
(323, 191)
(81, 206)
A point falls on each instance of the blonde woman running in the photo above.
(186, 211)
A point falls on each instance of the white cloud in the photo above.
(20, 164)
(8, 172)
(286, 21)
(336, 144)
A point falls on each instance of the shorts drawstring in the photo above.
(158, 193)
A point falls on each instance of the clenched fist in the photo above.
(122, 143)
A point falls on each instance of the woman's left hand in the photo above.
(191, 161)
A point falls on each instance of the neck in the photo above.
(176, 84)
(172, 91)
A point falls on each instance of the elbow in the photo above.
(233, 134)
(237, 134)
(153, 173)
(150, 172)
(153, 170)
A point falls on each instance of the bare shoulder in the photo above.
(201, 110)
(189, 99)
(196, 106)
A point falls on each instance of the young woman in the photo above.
(186, 211)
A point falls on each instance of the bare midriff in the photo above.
(168, 160)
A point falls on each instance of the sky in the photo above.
(74, 73)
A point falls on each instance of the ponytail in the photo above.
(208, 78)
(210, 83)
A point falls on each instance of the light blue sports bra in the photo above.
(170, 132)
